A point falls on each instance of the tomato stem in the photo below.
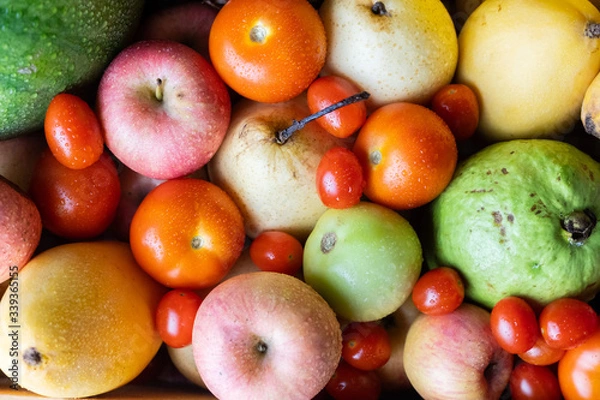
(283, 136)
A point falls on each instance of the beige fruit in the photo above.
(590, 108)
(183, 360)
(530, 62)
(84, 322)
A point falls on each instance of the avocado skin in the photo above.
(51, 46)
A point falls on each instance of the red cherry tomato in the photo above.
(533, 382)
(514, 324)
(458, 106)
(75, 203)
(73, 131)
(340, 180)
(328, 90)
(579, 370)
(438, 291)
(541, 353)
(277, 251)
(366, 345)
(175, 316)
(349, 383)
(567, 322)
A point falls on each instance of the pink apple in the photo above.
(188, 23)
(163, 108)
(265, 335)
(21, 229)
(455, 356)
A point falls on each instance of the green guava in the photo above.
(519, 218)
(50, 46)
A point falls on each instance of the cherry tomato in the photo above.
(349, 383)
(75, 203)
(328, 90)
(541, 353)
(277, 251)
(579, 370)
(438, 291)
(514, 324)
(340, 180)
(458, 106)
(533, 382)
(73, 131)
(366, 345)
(567, 322)
(175, 316)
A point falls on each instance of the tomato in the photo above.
(458, 106)
(268, 51)
(73, 131)
(349, 383)
(329, 90)
(579, 370)
(514, 324)
(187, 233)
(541, 353)
(567, 322)
(366, 345)
(277, 251)
(175, 315)
(408, 155)
(533, 382)
(340, 180)
(75, 203)
(438, 291)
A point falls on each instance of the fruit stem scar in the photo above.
(258, 34)
(158, 92)
(32, 357)
(579, 225)
(283, 136)
(197, 242)
(261, 347)
(378, 8)
(328, 242)
(592, 30)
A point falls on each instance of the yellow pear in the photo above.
(530, 62)
(78, 321)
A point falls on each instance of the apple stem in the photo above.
(579, 226)
(283, 136)
(158, 92)
(592, 30)
(378, 8)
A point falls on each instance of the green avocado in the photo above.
(519, 218)
(50, 46)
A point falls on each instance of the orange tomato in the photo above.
(328, 90)
(408, 154)
(579, 370)
(268, 51)
(187, 233)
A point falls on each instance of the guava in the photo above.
(519, 218)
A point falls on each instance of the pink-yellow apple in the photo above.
(273, 183)
(18, 157)
(455, 356)
(163, 108)
(265, 335)
(20, 229)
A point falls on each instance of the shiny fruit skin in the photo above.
(340, 178)
(567, 322)
(458, 106)
(438, 291)
(541, 353)
(578, 370)
(175, 316)
(533, 382)
(277, 251)
(366, 345)
(350, 383)
(514, 324)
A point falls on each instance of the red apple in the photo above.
(163, 108)
(265, 335)
(21, 229)
(455, 356)
(188, 23)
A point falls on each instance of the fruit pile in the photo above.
(301, 199)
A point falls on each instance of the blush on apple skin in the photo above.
(163, 108)
(21, 229)
(455, 356)
(265, 335)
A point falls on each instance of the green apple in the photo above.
(519, 218)
(53, 46)
(364, 260)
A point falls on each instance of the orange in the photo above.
(187, 233)
(268, 51)
(408, 155)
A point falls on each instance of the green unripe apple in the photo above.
(519, 219)
(50, 46)
(364, 260)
